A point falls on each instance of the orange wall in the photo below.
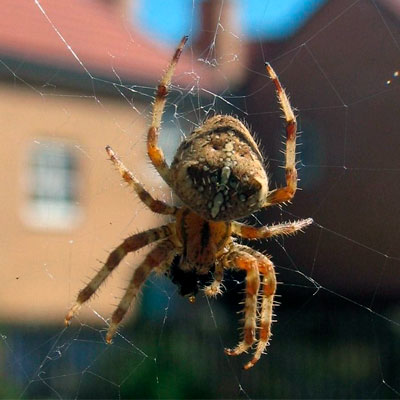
(42, 270)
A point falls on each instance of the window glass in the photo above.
(52, 186)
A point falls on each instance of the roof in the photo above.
(87, 36)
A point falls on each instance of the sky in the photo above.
(168, 20)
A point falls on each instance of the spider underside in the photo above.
(218, 173)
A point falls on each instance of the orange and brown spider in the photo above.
(218, 173)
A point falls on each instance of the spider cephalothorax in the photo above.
(218, 174)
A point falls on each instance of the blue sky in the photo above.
(168, 20)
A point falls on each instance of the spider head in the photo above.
(218, 170)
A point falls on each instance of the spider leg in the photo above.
(286, 193)
(264, 232)
(254, 263)
(243, 260)
(161, 256)
(268, 285)
(156, 206)
(155, 153)
(214, 288)
(129, 245)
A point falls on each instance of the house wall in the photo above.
(349, 118)
(42, 269)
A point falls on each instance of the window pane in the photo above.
(52, 186)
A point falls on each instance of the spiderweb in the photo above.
(337, 333)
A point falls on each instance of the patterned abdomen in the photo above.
(218, 171)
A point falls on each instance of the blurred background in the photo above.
(77, 76)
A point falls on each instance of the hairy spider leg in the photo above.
(241, 259)
(286, 193)
(264, 232)
(268, 285)
(156, 206)
(155, 153)
(255, 264)
(132, 243)
(161, 255)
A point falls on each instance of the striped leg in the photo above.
(264, 232)
(243, 260)
(155, 153)
(156, 206)
(130, 244)
(161, 255)
(286, 193)
(267, 269)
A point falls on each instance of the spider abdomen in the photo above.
(219, 171)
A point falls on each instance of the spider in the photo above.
(218, 173)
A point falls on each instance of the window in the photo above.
(52, 186)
